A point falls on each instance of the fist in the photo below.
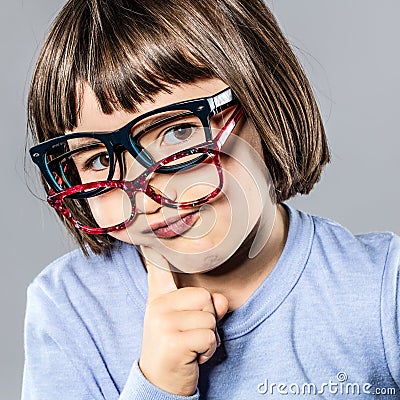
(179, 330)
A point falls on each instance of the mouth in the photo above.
(174, 226)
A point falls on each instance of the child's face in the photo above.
(215, 230)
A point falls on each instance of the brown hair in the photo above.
(129, 50)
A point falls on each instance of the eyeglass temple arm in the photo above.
(227, 129)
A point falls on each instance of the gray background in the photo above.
(350, 51)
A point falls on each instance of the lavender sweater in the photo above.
(324, 324)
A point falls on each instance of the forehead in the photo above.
(92, 119)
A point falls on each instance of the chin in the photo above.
(194, 263)
(197, 256)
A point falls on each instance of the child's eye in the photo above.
(98, 163)
(178, 134)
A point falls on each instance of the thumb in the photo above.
(221, 305)
(159, 276)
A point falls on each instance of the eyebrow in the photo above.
(82, 144)
(75, 149)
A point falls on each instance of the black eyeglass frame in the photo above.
(121, 139)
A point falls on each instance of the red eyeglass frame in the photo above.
(211, 147)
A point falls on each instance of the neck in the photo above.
(240, 276)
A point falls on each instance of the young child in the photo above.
(169, 135)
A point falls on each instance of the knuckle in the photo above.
(204, 294)
(158, 322)
(211, 339)
(157, 305)
(211, 321)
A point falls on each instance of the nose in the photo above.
(145, 204)
(161, 184)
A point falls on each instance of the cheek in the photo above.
(111, 208)
(190, 185)
(250, 135)
(226, 220)
(243, 185)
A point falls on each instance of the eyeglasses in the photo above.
(205, 173)
(196, 166)
(79, 158)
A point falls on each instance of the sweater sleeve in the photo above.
(390, 309)
(138, 387)
(56, 368)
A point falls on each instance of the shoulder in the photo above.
(366, 265)
(75, 273)
(374, 249)
(336, 256)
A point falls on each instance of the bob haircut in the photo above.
(128, 51)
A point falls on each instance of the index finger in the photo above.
(159, 276)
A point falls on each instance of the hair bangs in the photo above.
(129, 65)
(125, 64)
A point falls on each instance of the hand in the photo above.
(179, 330)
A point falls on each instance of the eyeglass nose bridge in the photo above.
(139, 185)
(121, 142)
